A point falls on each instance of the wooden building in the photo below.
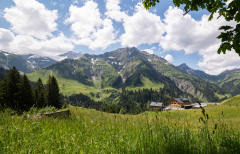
(156, 106)
(180, 103)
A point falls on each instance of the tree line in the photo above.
(16, 92)
(127, 101)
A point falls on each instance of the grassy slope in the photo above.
(90, 131)
(233, 101)
(108, 73)
(70, 86)
(232, 76)
(147, 84)
(231, 113)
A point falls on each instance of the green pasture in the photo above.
(91, 131)
(232, 101)
(67, 86)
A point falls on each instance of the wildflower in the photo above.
(34, 117)
(40, 117)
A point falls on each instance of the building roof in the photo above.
(182, 100)
(156, 104)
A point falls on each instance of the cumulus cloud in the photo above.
(214, 63)
(150, 51)
(185, 33)
(142, 28)
(90, 30)
(51, 47)
(32, 18)
(169, 58)
(6, 36)
(114, 10)
(28, 44)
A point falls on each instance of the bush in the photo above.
(122, 111)
(65, 105)
(9, 111)
(33, 110)
(47, 109)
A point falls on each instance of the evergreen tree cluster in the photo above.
(83, 101)
(16, 92)
(138, 101)
(128, 101)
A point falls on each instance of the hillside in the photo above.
(67, 86)
(231, 83)
(200, 89)
(232, 101)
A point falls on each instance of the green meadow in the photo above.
(91, 131)
(66, 86)
(232, 101)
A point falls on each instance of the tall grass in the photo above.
(90, 131)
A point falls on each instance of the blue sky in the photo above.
(52, 27)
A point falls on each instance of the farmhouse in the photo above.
(156, 106)
(180, 103)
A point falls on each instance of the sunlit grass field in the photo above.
(147, 85)
(91, 131)
(66, 86)
(232, 101)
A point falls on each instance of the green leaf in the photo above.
(225, 28)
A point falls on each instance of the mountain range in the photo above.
(27, 63)
(135, 69)
(128, 67)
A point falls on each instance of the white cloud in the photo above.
(114, 10)
(75, 2)
(6, 36)
(28, 44)
(185, 33)
(90, 30)
(169, 58)
(150, 51)
(142, 28)
(51, 47)
(214, 64)
(30, 17)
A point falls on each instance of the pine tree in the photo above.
(39, 94)
(25, 94)
(53, 95)
(9, 89)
